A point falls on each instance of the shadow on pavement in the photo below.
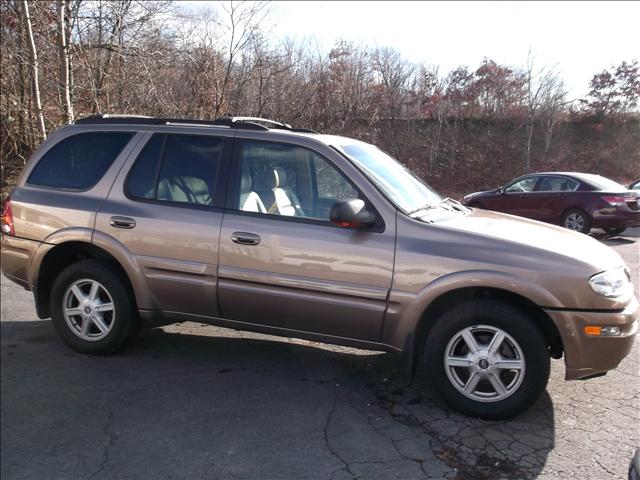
(177, 405)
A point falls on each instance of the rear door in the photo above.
(545, 202)
(166, 209)
(287, 266)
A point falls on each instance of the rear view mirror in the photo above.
(351, 214)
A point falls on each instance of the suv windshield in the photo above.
(404, 189)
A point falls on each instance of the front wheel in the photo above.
(487, 359)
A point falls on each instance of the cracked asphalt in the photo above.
(194, 401)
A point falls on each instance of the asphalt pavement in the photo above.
(195, 401)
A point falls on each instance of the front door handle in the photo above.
(122, 222)
(244, 238)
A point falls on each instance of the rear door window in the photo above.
(557, 184)
(177, 168)
(80, 161)
(143, 176)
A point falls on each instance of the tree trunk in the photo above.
(23, 84)
(68, 18)
(527, 159)
(63, 57)
(34, 68)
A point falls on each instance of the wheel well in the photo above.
(59, 258)
(443, 302)
(566, 210)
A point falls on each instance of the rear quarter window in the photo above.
(80, 161)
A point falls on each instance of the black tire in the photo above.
(519, 326)
(575, 214)
(613, 231)
(125, 321)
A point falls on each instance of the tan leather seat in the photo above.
(249, 200)
(279, 199)
(184, 189)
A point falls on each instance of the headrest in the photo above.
(276, 178)
(246, 182)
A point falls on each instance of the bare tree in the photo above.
(63, 56)
(395, 77)
(541, 85)
(33, 56)
(242, 26)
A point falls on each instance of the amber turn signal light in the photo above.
(598, 331)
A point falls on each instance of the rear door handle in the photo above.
(122, 222)
(244, 238)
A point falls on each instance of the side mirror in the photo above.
(501, 190)
(351, 214)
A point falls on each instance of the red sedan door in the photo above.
(544, 203)
(516, 196)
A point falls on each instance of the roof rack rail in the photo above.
(109, 119)
(245, 123)
(233, 122)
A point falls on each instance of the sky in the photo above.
(579, 38)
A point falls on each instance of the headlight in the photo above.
(613, 283)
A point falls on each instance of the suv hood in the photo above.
(536, 235)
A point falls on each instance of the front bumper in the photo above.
(586, 355)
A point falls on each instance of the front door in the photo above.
(166, 209)
(516, 196)
(283, 264)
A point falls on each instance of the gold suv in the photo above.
(251, 224)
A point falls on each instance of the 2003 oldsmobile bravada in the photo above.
(254, 225)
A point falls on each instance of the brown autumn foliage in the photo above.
(466, 130)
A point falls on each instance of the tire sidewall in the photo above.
(587, 220)
(122, 300)
(515, 323)
(614, 230)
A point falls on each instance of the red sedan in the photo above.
(578, 201)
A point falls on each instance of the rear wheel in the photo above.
(487, 359)
(614, 230)
(576, 220)
(92, 308)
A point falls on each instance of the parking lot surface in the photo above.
(194, 401)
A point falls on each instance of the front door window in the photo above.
(290, 181)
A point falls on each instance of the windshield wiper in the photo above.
(456, 205)
(427, 206)
(447, 203)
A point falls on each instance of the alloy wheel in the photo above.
(89, 310)
(574, 221)
(484, 363)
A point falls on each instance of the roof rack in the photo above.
(244, 123)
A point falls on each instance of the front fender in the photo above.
(406, 309)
